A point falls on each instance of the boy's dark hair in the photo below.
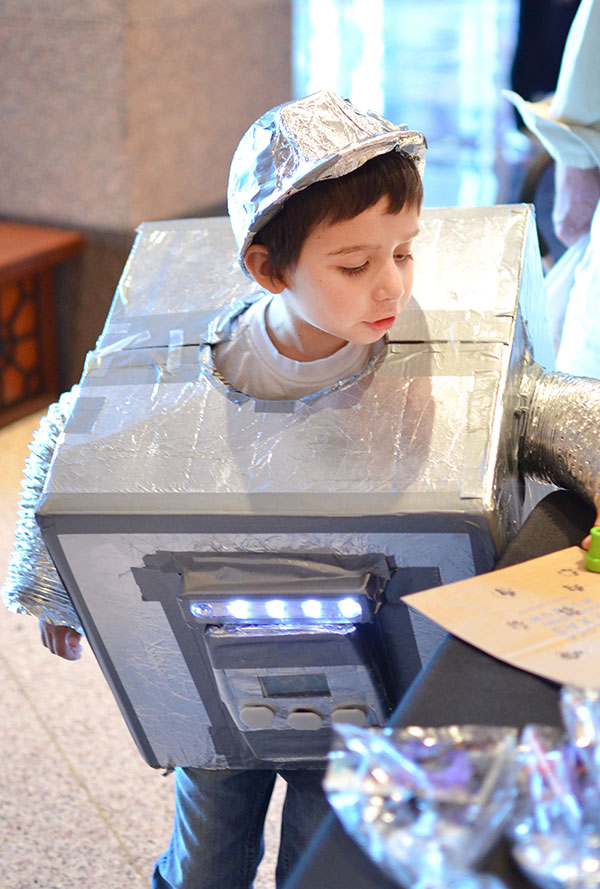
(392, 175)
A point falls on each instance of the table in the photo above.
(29, 255)
(462, 685)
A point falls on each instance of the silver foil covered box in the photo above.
(239, 565)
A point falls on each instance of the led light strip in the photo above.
(348, 609)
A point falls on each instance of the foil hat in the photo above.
(296, 144)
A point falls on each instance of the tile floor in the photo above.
(78, 806)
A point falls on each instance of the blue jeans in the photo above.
(217, 840)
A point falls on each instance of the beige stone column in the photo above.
(117, 111)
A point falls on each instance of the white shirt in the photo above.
(568, 122)
(251, 364)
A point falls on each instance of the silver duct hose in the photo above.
(560, 426)
(33, 585)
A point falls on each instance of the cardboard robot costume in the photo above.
(238, 566)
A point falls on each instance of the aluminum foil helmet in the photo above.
(294, 145)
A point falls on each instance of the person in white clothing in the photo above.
(568, 125)
(251, 362)
(336, 267)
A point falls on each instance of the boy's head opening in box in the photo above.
(324, 201)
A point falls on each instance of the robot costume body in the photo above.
(238, 565)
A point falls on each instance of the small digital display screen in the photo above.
(295, 685)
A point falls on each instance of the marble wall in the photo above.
(118, 111)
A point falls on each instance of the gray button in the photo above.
(305, 720)
(350, 715)
(256, 716)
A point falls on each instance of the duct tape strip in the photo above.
(174, 357)
(157, 327)
(480, 417)
(95, 360)
(85, 413)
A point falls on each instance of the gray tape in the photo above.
(479, 419)
(175, 354)
(274, 407)
(453, 325)
(156, 327)
(440, 359)
(85, 414)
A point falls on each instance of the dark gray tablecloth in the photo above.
(461, 685)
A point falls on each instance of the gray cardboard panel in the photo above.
(469, 266)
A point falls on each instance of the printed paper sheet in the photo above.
(542, 616)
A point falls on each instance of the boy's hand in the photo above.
(586, 543)
(63, 641)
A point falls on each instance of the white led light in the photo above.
(201, 609)
(312, 608)
(294, 610)
(350, 608)
(239, 608)
(275, 608)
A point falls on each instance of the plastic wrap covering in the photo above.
(165, 471)
(178, 276)
(294, 145)
(32, 585)
(580, 709)
(434, 399)
(424, 803)
(559, 433)
(469, 265)
(555, 830)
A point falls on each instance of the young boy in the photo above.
(334, 259)
(325, 219)
(324, 201)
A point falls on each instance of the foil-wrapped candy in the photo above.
(580, 710)
(555, 829)
(424, 803)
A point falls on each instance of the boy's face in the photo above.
(351, 281)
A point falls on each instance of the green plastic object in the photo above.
(592, 557)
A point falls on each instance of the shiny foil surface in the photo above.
(424, 804)
(32, 585)
(560, 433)
(294, 145)
(429, 427)
(417, 460)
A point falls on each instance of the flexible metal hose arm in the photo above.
(559, 440)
